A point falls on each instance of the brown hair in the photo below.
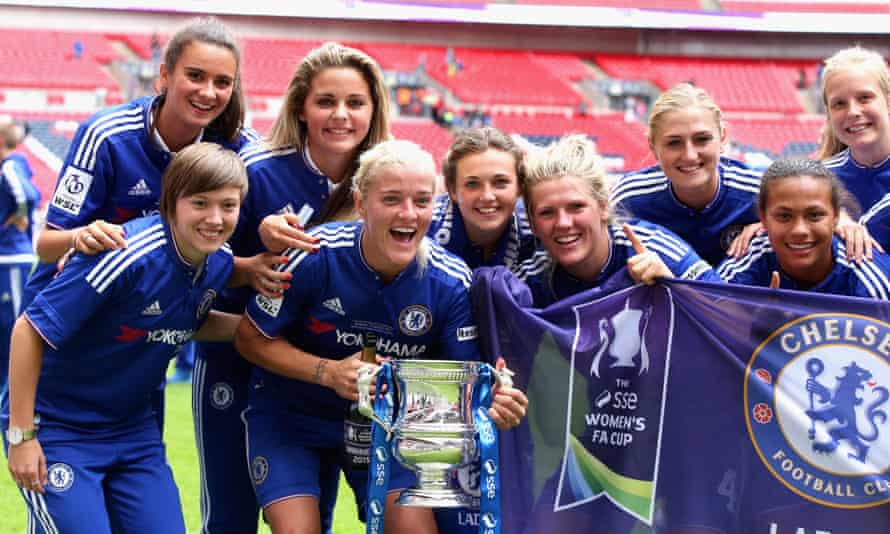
(200, 168)
(290, 130)
(211, 31)
(477, 141)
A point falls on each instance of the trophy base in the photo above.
(435, 498)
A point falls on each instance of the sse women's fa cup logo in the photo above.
(816, 398)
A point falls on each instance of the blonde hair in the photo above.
(389, 154)
(396, 152)
(679, 97)
(844, 60)
(573, 155)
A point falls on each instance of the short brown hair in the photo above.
(199, 168)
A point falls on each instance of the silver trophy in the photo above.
(433, 432)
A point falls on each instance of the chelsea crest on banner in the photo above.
(692, 405)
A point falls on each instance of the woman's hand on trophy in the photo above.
(342, 375)
(508, 406)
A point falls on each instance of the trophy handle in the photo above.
(504, 376)
(366, 373)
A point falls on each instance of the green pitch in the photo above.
(180, 438)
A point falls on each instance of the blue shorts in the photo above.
(295, 455)
(104, 486)
(12, 283)
(219, 395)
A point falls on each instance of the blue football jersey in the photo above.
(877, 220)
(867, 184)
(647, 194)
(862, 279)
(14, 243)
(336, 297)
(112, 172)
(515, 245)
(111, 323)
(549, 282)
(281, 180)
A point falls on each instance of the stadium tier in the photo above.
(53, 59)
(761, 95)
(682, 5)
(480, 76)
(737, 85)
(779, 136)
(763, 6)
(425, 133)
(615, 137)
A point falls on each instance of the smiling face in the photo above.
(198, 90)
(203, 222)
(800, 220)
(858, 113)
(571, 225)
(397, 209)
(337, 113)
(687, 146)
(486, 190)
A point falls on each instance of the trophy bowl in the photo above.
(433, 431)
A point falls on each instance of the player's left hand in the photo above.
(646, 266)
(508, 406)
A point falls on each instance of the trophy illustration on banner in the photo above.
(432, 417)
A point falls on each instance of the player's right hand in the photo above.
(27, 465)
(740, 244)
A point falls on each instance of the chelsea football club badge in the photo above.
(816, 395)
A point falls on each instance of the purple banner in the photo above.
(693, 407)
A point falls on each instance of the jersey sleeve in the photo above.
(877, 220)
(683, 261)
(739, 271)
(460, 335)
(14, 181)
(272, 315)
(873, 277)
(83, 181)
(61, 309)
